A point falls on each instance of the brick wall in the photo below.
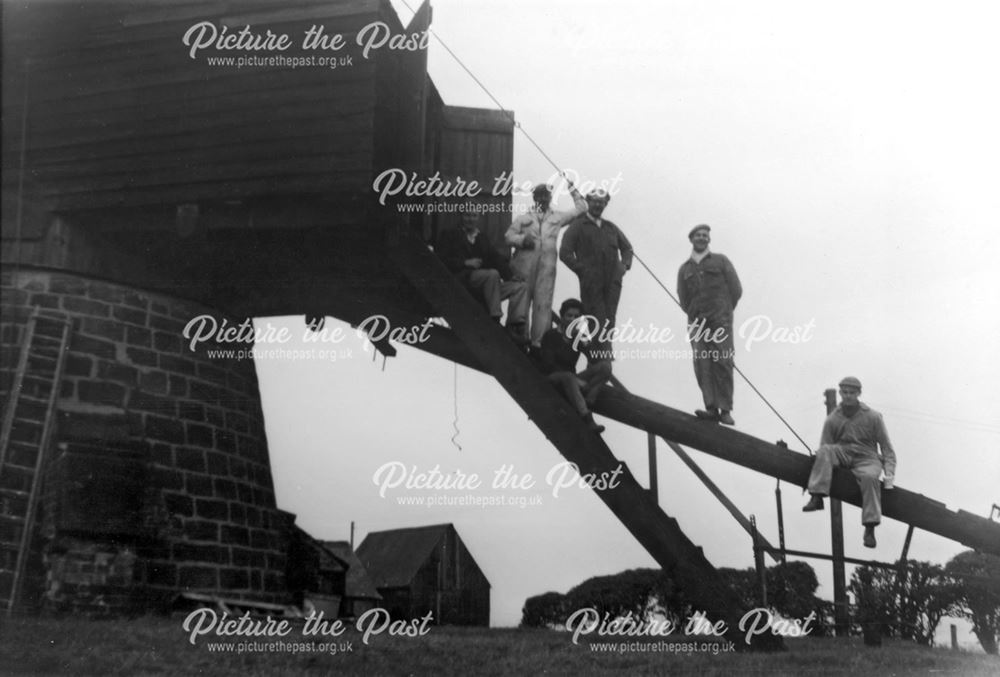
(209, 522)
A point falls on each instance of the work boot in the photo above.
(724, 417)
(588, 418)
(869, 539)
(519, 333)
(710, 415)
(815, 503)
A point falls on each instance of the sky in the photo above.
(845, 156)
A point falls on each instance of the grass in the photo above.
(159, 646)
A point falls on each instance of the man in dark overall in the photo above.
(485, 273)
(709, 290)
(852, 436)
(599, 253)
(561, 349)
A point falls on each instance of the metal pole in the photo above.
(758, 562)
(841, 610)
(901, 571)
(653, 483)
(781, 521)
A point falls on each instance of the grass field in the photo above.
(159, 646)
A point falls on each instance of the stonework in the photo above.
(158, 479)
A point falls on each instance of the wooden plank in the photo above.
(479, 120)
(107, 36)
(171, 13)
(201, 167)
(102, 158)
(59, 80)
(318, 12)
(631, 503)
(789, 466)
(227, 151)
(337, 211)
(411, 92)
(229, 189)
(198, 107)
(192, 83)
(202, 94)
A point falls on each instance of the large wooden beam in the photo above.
(489, 345)
(971, 530)
(731, 445)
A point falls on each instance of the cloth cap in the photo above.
(850, 382)
(599, 194)
(697, 228)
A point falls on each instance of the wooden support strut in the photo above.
(747, 525)
(969, 529)
(490, 347)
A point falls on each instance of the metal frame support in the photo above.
(841, 609)
(781, 522)
(654, 485)
(758, 561)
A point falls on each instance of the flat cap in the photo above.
(851, 382)
(697, 228)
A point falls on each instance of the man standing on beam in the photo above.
(709, 290)
(852, 435)
(599, 253)
(533, 237)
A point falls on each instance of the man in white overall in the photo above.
(533, 236)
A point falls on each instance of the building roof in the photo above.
(359, 584)
(324, 558)
(393, 557)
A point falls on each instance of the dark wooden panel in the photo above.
(478, 120)
(221, 146)
(201, 100)
(196, 167)
(65, 81)
(320, 184)
(123, 109)
(120, 26)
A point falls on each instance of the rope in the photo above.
(738, 370)
(552, 162)
(499, 105)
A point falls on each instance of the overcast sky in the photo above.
(845, 155)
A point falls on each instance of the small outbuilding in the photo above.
(360, 594)
(423, 569)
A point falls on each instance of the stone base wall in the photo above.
(135, 401)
